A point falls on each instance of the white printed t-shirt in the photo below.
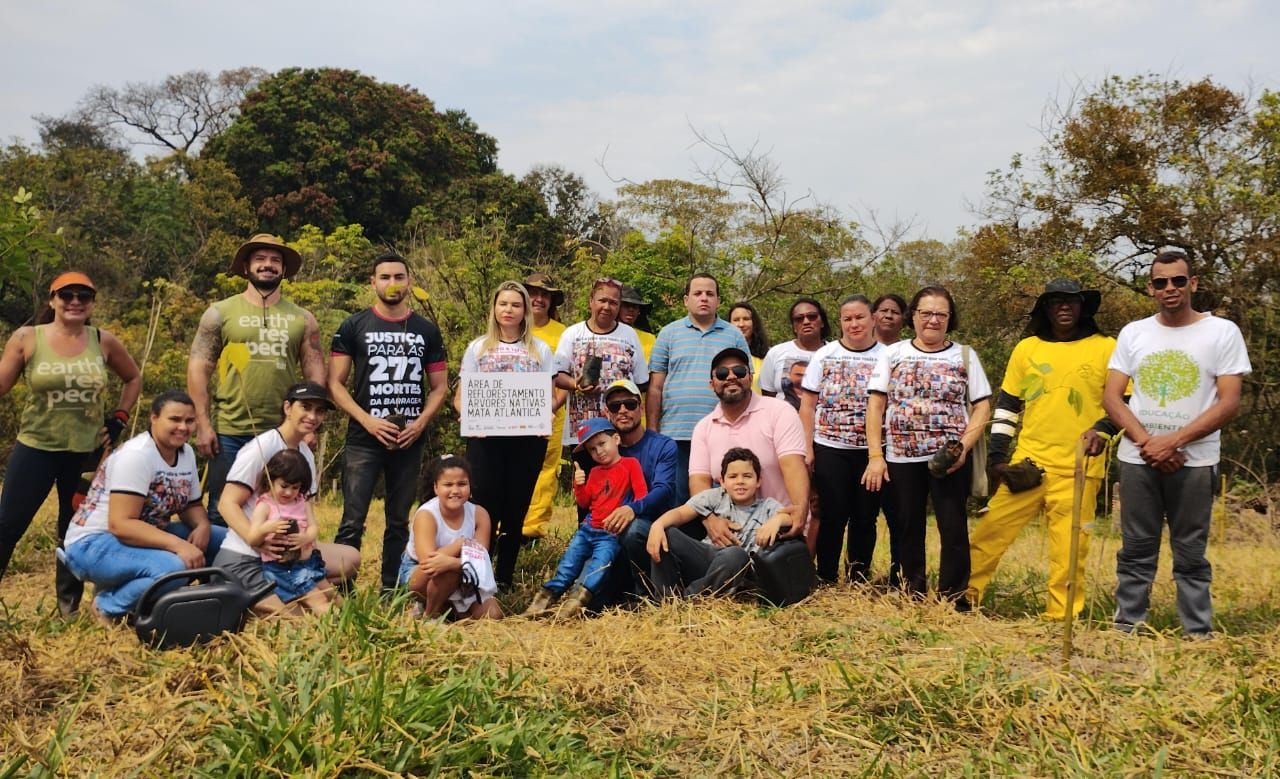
(1175, 372)
(925, 397)
(841, 376)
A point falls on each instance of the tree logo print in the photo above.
(1168, 375)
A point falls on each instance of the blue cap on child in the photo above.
(592, 427)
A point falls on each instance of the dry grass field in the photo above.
(851, 682)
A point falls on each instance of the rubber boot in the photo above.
(541, 605)
(574, 603)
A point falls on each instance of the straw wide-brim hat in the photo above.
(292, 260)
(543, 282)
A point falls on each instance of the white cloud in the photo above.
(898, 106)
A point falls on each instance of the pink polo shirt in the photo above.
(770, 427)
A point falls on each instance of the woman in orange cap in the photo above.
(65, 361)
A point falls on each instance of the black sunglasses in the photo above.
(82, 295)
(808, 316)
(630, 404)
(739, 371)
(1178, 281)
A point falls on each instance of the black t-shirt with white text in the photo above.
(390, 363)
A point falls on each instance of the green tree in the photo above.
(331, 147)
(1129, 165)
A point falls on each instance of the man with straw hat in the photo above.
(1050, 399)
(258, 342)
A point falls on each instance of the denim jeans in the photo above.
(360, 470)
(1147, 498)
(698, 568)
(587, 559)
(228, 447)
(122, 573)
(30, 475)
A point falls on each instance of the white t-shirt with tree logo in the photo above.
(1175, 374)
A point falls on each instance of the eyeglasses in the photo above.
(739, 371)
(630, 404)
(81, 295)
(811, 316)
(941, 316)
(1163, 281)
(607, 282)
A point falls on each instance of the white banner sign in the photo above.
(498, 404)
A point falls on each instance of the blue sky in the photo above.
(900, 108)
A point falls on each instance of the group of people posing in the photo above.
(692, 448)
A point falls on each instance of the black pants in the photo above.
(912, 487)
(30, 475)
(846, 506)
(504, 471)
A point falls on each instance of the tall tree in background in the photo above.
(179, 113)
(1129, 165)
(330, 147)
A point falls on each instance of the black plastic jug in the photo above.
(213, 602)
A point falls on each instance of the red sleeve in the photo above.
(638, 486)
(582, 492)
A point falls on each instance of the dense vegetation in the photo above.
(342, 165)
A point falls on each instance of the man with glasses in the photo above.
(678, 392)
(1051, 398)
(1187, 368)
(660, 464)
(767, 426)
(258, 341)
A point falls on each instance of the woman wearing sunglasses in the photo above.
(921, 394)
(504, 469)
(63, 430)
(811, 328)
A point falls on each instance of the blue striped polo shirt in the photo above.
(684, 353)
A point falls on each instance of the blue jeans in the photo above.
(360, 470)
(586, 561)
(228, 447)
(122, 573)
(1147, 498)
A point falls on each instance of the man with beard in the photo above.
(659, 462)
(770, 427)
(401, 379)
(258, 341)
(1050, 399)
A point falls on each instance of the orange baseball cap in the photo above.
(71, 279)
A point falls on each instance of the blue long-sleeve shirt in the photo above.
(659, 461)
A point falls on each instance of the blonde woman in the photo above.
(505, 468)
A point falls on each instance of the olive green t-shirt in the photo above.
(64, 405)
(261, 353)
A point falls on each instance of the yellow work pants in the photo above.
(1008, 513)
(538, 516)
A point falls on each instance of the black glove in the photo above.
(115, 424)
(1023, 476)
(945, 457)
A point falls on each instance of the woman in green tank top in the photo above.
(65, 361)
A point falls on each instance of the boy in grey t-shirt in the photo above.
(701, 566)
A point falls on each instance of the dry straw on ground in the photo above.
(850, 682)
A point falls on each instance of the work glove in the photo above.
(1023, 476)
(945, 457)
(115, 424)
